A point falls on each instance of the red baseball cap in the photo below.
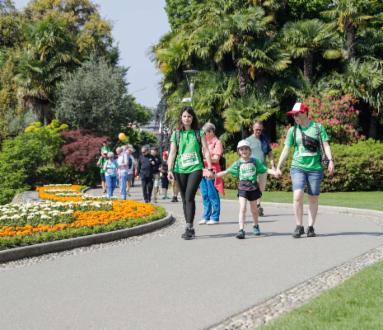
(298, 107)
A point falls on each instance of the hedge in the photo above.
(358, 167)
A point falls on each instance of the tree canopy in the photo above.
(254, 59)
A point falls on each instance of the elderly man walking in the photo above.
(260, 149)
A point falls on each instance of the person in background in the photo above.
(131, 167)
(105, 148)
(145, 172)
(306, 168)
(185, 163)
(164, 175)
(156, 163)
(210, 188)
(110, 168)
(122, 161)
(100, 163)
(261, 149)
(118, 154)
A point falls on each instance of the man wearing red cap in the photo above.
(307, 137)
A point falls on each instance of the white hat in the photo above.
(243, 143)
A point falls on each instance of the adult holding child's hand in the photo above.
(185, 163)
(311, 154)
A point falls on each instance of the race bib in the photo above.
(248, 171)
(189, 159)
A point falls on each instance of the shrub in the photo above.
(358, 167)
(81, 151)
(22, 158)
(338, 115)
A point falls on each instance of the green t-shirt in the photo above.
(247, 170)
(303, 158)
(101, 162)
(105, 149)
(188, 157)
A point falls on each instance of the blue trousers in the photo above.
(210, 199)
(123, 179)
(110, 185)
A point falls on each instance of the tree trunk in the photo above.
(350, 39)
(308, 66)
(242, 80)
(242, 92)
(373, 128)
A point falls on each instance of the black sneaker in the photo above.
(298, 232)
(188, 234)
(174, 199)
(241, 234)
(310, 232)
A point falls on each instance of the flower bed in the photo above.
(69, 213)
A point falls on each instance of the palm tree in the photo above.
(47, 55)
(350, 16)
(243, 111)
(305, 38)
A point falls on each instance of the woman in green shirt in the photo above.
(306, 167)
(185, 163)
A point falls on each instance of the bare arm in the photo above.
(171, 160)
(220, 174)
(282, 158)
(206, 152)
(327, 151)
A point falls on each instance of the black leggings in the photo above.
(188, 184)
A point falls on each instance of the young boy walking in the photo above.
(246, 169)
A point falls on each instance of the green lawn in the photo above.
(366, 199)
(355, 304)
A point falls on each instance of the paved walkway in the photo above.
(159, 281)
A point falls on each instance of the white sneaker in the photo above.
(212, 222)
(203, 222)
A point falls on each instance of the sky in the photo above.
(137, 25)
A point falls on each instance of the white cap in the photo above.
(243, 143)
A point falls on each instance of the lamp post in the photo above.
(191, 84)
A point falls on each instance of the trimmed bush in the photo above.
(358, 167)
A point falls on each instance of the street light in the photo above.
(191, 84)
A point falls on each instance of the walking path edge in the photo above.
(72, 243)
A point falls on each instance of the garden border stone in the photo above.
(72, 243)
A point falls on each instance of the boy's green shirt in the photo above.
(247, 170)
